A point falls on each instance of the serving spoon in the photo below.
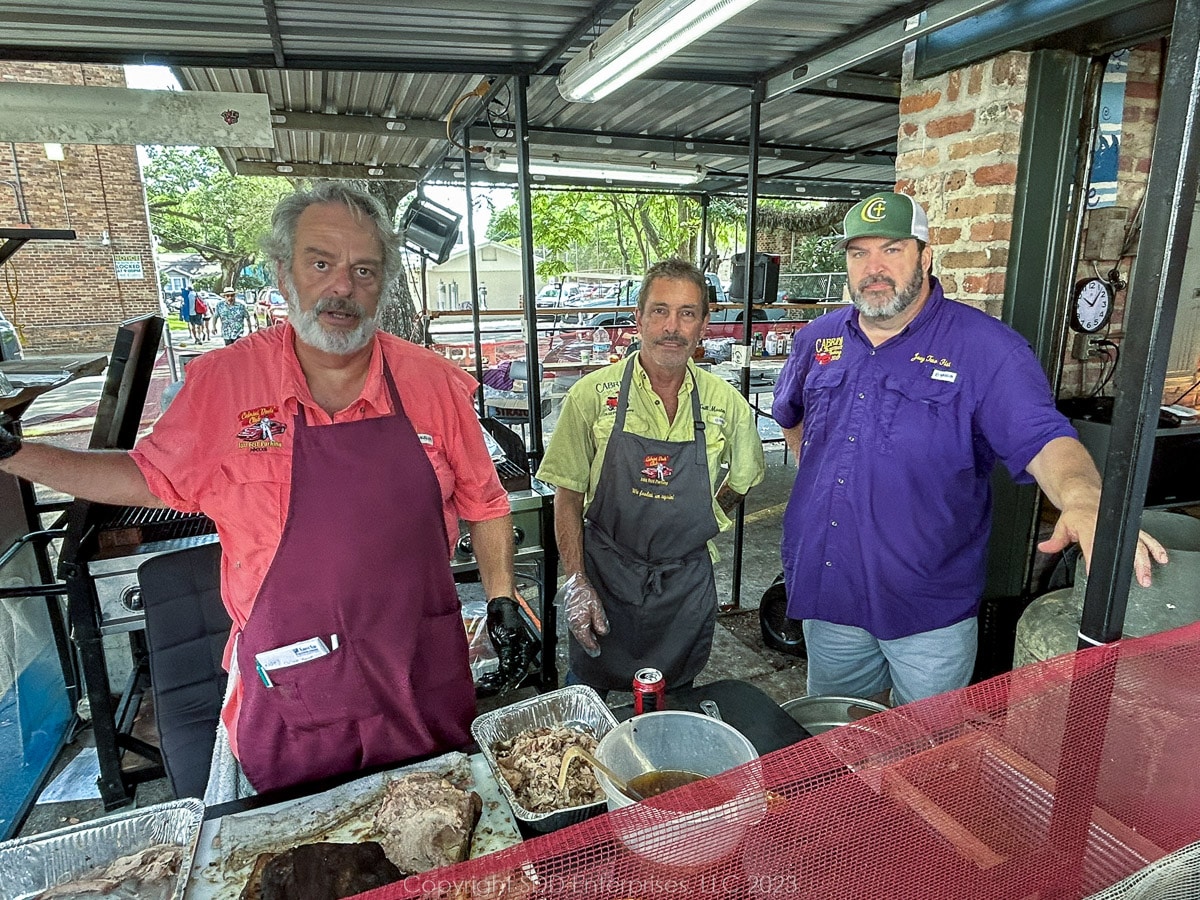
(575, 750)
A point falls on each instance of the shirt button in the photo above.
(850, 439)
(828, 564)
(862, 396)
(872, 353)
(834, 524)
(841, 481)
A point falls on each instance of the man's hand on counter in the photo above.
(585, 612)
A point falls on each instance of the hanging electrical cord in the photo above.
(1112, 356)
(499, 114)
(480, 91)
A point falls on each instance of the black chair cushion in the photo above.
(186, 631)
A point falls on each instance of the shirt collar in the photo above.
(297, 392)
(643, 380)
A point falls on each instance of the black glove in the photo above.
(515, 645)
(9, 442)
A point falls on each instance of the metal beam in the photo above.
(272, 16)
(796, 188)
(1150, 310)
(853, 86)
(225, 59)
(346, 123)
(327, 170)
(580, 139)
(1051, 180)
(805, 71)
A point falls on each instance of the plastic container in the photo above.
(601, 342)
(662, 830)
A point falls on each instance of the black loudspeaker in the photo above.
(766, 278)
(430, 229)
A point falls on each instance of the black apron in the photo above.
(645, 551)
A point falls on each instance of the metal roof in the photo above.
(362, 85)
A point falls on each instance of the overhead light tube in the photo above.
(596, 170)
(639, 40)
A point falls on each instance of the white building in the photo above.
(498, 269)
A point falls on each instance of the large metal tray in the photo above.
(32, 864)
(229, 846)
(575, 705)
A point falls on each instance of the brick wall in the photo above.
(960, 134)
(959, 139)
(64, 296)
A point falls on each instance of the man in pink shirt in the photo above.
(336, 461)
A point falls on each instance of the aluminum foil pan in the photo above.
(32, 864)
(576, 705)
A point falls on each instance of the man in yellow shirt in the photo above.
(636, 459)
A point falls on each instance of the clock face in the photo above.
(1093, 305)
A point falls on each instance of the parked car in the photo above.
(10, 341)
(271, 307)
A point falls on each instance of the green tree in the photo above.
(198, 206)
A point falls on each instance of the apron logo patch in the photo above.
(943, 375)
(260, 430)
(656, 468)
(425, 439)
(826, 350)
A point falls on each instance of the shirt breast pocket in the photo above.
(259, 479)
(921, 412)
(820, 389)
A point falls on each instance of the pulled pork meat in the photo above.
(530, 761)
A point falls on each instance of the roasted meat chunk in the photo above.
(530, 761)
(325, 871)
(425, 822)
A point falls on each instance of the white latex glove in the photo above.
(585, 612)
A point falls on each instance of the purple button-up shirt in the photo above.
(887, 526)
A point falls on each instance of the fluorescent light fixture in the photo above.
(55, 152)
(595, 170)
(639, 40)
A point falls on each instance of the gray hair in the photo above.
(674, 269)
(280, 244)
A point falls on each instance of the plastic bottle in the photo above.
(772, 345)
(601, 341)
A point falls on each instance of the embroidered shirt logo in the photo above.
(656, 468)
(826, 350)
(260, 429)
(932, 358)
(610, 402)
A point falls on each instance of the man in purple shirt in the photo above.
(897, 409)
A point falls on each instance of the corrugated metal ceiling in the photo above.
(398, 67)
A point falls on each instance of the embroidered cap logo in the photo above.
(874, 211)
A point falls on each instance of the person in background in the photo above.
(191, 310)
(211, 322)
(636, 459)
(235, 318)
(336, 461)
(897, 410)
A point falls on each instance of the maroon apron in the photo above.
(363, 556)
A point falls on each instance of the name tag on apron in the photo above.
(291, 655)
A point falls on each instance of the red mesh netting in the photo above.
(1053, 781)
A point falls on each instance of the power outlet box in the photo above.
(739, 355)
(1081, 346)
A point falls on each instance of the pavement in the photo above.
(64, 416)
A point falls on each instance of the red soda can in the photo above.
(649, 691)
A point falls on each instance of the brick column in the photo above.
(960, 134)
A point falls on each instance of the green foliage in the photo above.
(197, 206)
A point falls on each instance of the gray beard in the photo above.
(903, 300)
(309, 329)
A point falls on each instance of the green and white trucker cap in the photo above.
(885, 215)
